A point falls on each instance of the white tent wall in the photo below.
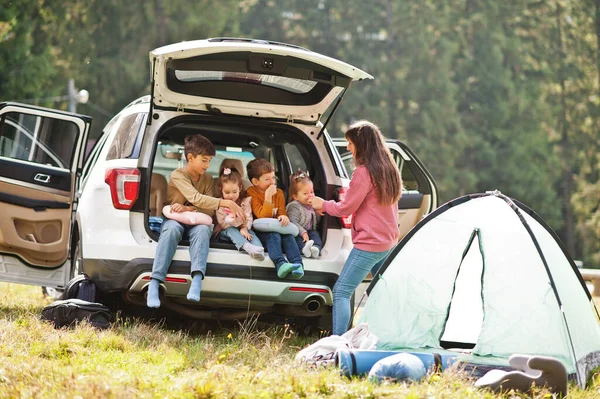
(408, 305)
(578, 309)
(521, 311)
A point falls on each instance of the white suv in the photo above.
(251, 99)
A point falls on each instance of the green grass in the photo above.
(141, 359)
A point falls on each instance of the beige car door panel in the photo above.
(408, 217)
(40, 152)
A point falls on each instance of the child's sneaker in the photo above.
(306, 250)
(315, 252)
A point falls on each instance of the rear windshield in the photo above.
(253, 77)
(286, 149)
(279, 82)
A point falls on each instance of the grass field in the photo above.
(143, 359)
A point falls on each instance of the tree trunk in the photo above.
(566, 153)
(598, 41)
(392, 97)
(162, 22)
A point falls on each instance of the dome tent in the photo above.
(485, 274)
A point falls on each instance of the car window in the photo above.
(295, 158)
(38, 139)
(170, 157)
(409, 180)
(127, 133)
(93, 157)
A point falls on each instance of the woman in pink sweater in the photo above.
(372, 200)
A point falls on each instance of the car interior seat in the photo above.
(158, 194)
(232, 163)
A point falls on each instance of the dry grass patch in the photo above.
(141, 359)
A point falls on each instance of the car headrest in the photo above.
(233, 163)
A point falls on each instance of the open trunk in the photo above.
(239, 142)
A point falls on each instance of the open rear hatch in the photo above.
(248, 77)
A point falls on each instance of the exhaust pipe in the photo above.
(312, 304)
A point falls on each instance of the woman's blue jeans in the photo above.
(171, 233)
(233, 235)
(356, 268)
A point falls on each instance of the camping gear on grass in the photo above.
(322, 352)
(486, 275)
(359, 362)
(69, 312)
(80, 287)
(530, 370)
(398, 367)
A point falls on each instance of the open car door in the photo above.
(419, 190)
(41, 156)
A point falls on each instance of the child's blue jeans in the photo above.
(233, 234)
(171, 233)
(274, 242)
(312, 235)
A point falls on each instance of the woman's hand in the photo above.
(246, 234)
(316, 202)
(284, 220)
(305, 236)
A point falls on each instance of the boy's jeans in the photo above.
(171, 233)
(356, 268)
(274, 242)
(312, 235)
(233, 234)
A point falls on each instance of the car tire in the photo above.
(76, 268)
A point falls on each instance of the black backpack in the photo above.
(68, 312)
(80, 287)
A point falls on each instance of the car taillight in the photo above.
(347, 220)
(124, 186)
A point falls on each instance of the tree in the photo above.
(29, 66)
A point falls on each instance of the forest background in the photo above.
(489, 94)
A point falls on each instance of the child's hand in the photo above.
(235, 209)
(320, 212)
(305, 236)
(270, 191)
(284, 220)
(178, 208)
(246, 234)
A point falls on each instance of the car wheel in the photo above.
(52, 293)
(76, 268)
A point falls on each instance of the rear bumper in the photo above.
(227, 285)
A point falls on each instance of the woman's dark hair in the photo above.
(297, 178)
(372, 152)
(229, 174)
